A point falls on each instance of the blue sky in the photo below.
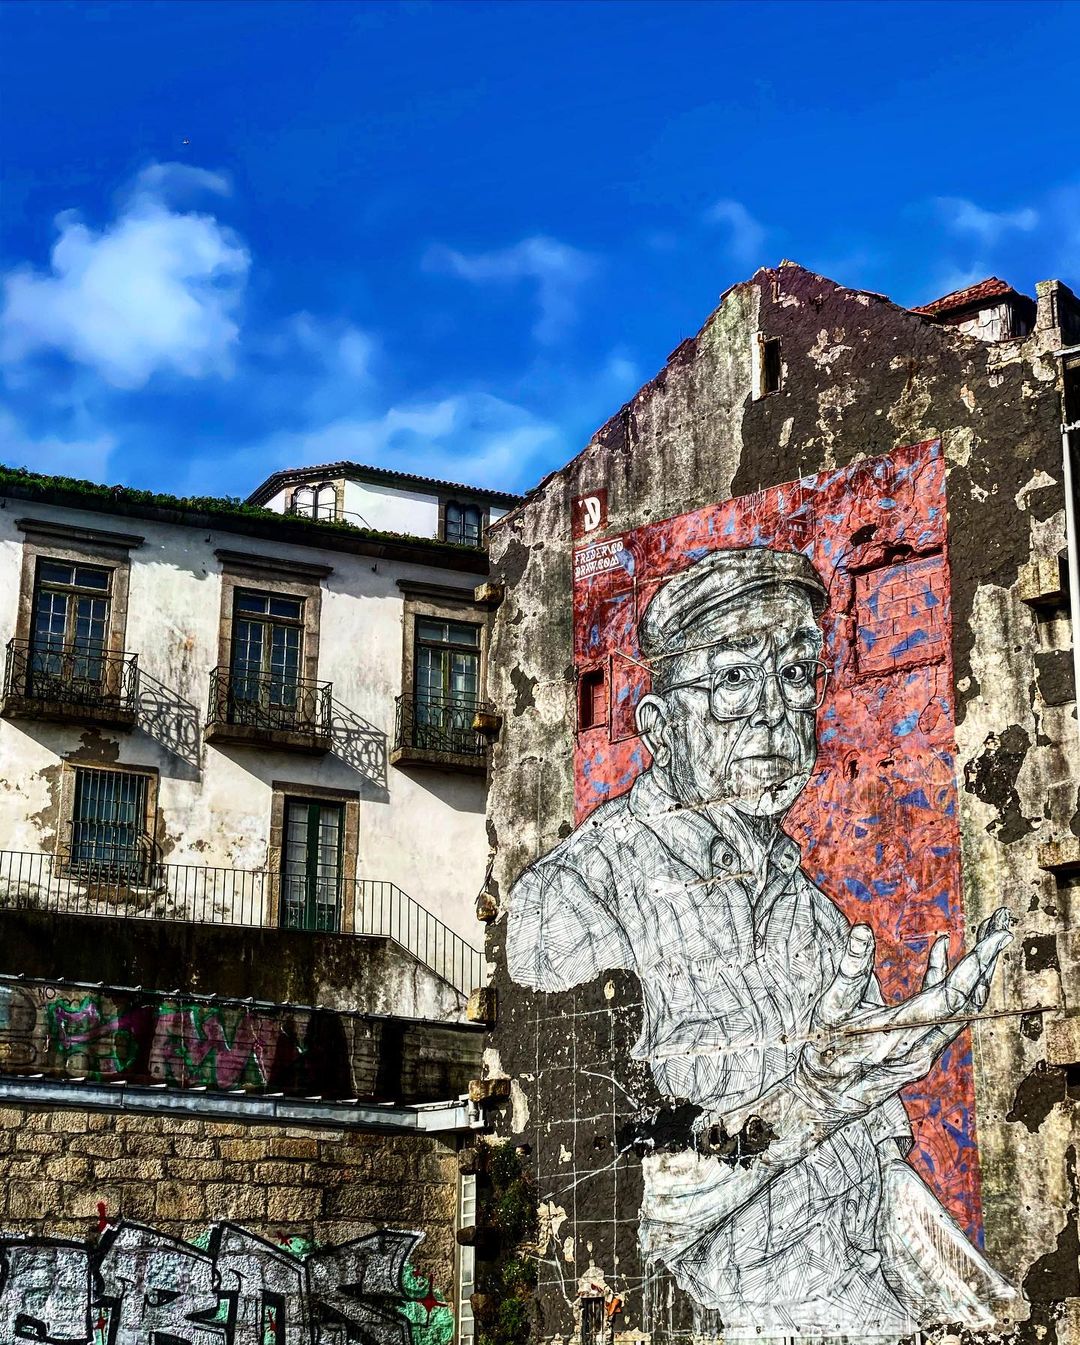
(454, 238)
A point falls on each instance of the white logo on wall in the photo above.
(599, 558)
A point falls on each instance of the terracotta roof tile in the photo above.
(991, 288)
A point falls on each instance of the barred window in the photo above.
(108, 823)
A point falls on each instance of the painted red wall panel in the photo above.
(877, 823)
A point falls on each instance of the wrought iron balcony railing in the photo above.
(132, 883)
(262, 707)
(456, 725)
(77, 681)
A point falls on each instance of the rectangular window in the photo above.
(592, 1320)
(311, 861)
(108, 825)
(592, 699)
(267, 644)
(771, 367)
(466, 1261)
(70, 627)
(1071, 393)
(464, 523)
(447, 687)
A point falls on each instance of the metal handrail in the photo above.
(335, 515)
(251, 898)
(441, 724)
(82, 674)
(266, 701)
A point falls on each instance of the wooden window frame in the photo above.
(48, 540)
(349, 800)
(280, 579)
(463, 503)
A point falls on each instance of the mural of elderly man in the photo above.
(789, 1205)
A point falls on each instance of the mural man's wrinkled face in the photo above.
(760, 648)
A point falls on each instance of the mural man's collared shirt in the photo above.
(733, 946)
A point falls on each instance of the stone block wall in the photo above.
(304, 1196)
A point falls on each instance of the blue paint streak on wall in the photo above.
(916, 638)
(907, 725)
(858, 889)
(916, 799)
(597, 784)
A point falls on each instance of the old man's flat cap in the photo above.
(679, 613)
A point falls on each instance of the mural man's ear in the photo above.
(653, 722)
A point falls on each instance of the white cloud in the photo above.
(746, 237)
(158, 289)
(961, 216)
(340, 350)
(87, 458)
(471, 436)
(558, 270)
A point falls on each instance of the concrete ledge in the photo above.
(59, 712)
(458, 1115)
(287, 740)
(447, 761)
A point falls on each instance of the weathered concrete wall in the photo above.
(861, 378)
(114, 1228)
(362, 975)
(214, 801)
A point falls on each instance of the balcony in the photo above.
(263, 710)
(129, 882)
(72, 683)
(453, 732)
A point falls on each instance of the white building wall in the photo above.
(421, 828)
(392, 509)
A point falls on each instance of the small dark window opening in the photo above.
(592, 1320)
(464, 523)
(1071, 393)
(592, 699)
(770, 365)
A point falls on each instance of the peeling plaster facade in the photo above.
(234, 1034)
(861, 381)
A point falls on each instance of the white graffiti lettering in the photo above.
(140, 1287)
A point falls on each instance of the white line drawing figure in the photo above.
(787, 1205)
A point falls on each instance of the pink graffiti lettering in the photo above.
(193, 1045)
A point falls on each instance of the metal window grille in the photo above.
(108, 825)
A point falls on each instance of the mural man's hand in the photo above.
(862, 1054)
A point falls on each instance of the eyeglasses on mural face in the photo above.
(735, 690)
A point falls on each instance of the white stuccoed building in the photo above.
(217, 715)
